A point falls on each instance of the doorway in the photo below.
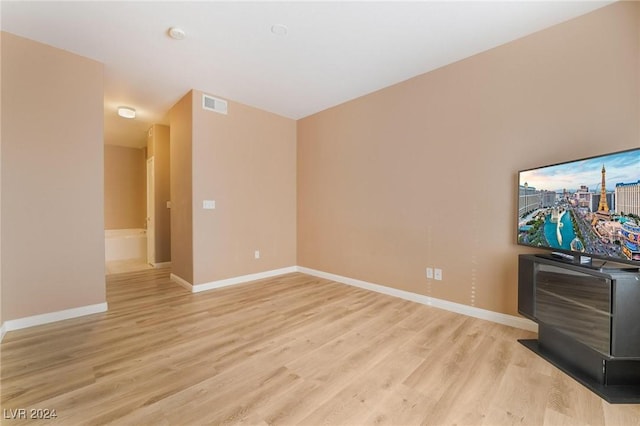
(125, 209)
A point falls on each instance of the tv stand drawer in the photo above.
(576, 304)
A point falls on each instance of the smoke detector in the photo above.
(176, 33)
(280, 29)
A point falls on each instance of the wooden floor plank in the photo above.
(292, 349)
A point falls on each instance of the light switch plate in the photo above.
(437, 274)
(429, 273)
(208, 204)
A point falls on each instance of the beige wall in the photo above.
(246, 162)
(180, 135)
(125, 191)
(52, 180)
(1, 317)
(423, 173)
(158, 148)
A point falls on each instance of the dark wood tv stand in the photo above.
(588, 322)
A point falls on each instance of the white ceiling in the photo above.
(334, 51)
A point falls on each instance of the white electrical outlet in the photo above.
(256, 254)
(437, 274)
(429, 273)
(208, 204)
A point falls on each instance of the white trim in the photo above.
(471, 311)
(243, 279)
(181, 282)
(161, 265)
(41, 319)
(459, 308)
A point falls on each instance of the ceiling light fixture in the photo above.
(176, 33)
(126, 112)
(279, 29)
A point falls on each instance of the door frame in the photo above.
(151, 216)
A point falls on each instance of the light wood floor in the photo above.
(289, 350)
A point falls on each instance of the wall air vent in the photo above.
(214, 104)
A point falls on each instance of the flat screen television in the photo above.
(586, 208)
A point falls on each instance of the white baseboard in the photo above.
(41, 319)
(497, 317)
(161, 265)
(243, 279)
(181, 282)
(471, 311)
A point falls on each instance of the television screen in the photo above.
(588, 207)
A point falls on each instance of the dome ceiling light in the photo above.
(126, 112)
